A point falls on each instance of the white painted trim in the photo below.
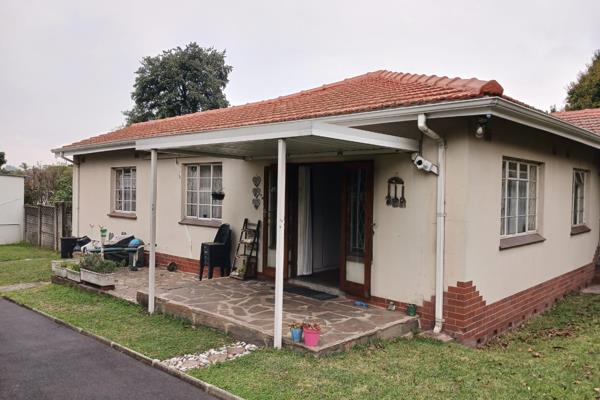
(98, 148)
(152, 228)
(332, 131)
(280, 245)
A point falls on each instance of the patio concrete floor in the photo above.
(245, 309)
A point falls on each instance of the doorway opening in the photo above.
(319, 216)
(328, 229)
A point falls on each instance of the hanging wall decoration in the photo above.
(256, 192)
(395, 202)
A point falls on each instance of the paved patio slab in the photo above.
(245, 309)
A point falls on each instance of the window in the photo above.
(202, 180)
(577, 215)
(519, 197)
(125, 196)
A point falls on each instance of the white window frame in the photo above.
(504, 217)
(118, 185)
(580, 213)
(188, 192)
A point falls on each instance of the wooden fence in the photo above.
(45, 225)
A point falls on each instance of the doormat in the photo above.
(306, 292)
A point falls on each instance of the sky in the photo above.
(67, 67)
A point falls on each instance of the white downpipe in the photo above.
(152, 262)
(279, 249)
(440, 222)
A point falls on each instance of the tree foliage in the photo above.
(2, 159)
(179, 81)
(585, 91)
(48, 184)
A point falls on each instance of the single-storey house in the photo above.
(389, 187)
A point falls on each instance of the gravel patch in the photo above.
(212, 356)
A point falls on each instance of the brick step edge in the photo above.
(204, 386)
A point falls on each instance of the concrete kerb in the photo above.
(204, 386)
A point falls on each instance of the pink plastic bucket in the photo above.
(311, 337)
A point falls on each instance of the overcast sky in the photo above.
(67, 67)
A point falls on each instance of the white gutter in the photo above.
(440, 222)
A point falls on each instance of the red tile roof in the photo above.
(368, 92)
(587, 119)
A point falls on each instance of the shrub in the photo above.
(95, 263)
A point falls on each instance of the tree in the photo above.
(179, 81)
(47, 184)
(585, 91)
(2, 159)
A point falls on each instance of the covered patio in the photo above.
(225, 298)
(245, 309)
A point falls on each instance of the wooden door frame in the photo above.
(353, 288)
(291, 199)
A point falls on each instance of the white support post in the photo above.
(279, 249)
(152, 262)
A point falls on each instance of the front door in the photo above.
(357, 229)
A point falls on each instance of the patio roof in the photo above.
(302, 137)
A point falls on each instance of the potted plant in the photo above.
(296, 331)
(312, 333)
(98, 271)
(73, 272)
(59, 268)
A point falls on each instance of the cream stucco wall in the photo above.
(403, 266)
(498, 274)
(172, 237)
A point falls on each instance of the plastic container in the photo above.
(296, 334)
(311, 337)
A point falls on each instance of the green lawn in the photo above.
(24, 263)
(156, 336)
(554, 356)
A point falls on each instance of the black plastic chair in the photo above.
(217, 253)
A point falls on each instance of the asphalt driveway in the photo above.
(40, 359)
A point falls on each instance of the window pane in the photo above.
(205, 171)
(512, 226)
(192, 171)
(192, 183)
(217, 184)
(512, 188)
(522, 207)
(191, 211)
(205, 184)
(204, 211)
(532, 205)
(512, 207)
(512, 169)
(532, 189)
(217, 212)
(531, 224)
(533, 173)
(521, 224)
(205, 198)
(522, 189)
(502, 223)
(119, 205)
(523, 171)
(217, 170)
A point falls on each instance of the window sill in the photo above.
(579, 229)
(522, 240)
(117, 214)
(210, 223)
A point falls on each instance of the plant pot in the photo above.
(311, 337)
(296, 334)
(58, 269)
(218, 195)
(74, 276)
(98, 279)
